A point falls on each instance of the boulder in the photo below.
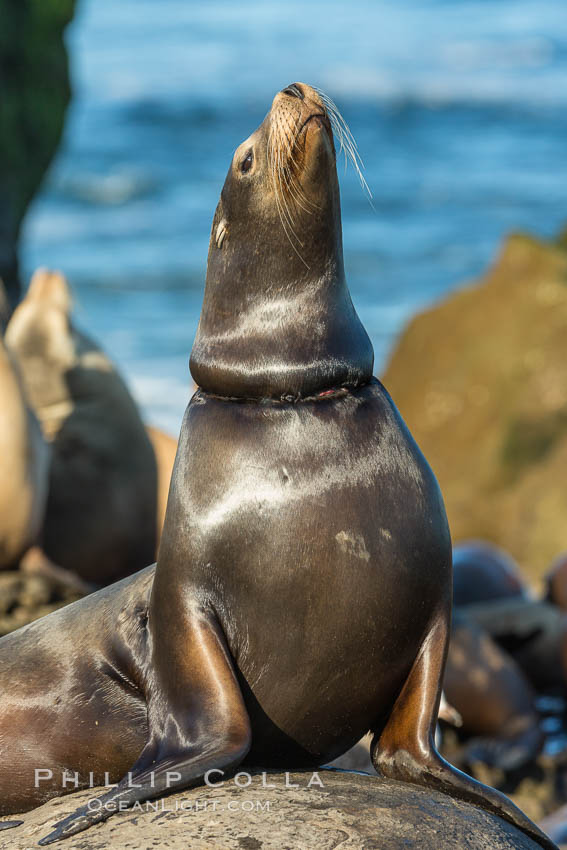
(338, 808)
(481, 380)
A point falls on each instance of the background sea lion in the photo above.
(101, 509)
(165, 449)
(303, 590)
(24, 465)
(532, 632)
(493, 698)
(488, 587)
(482, 572)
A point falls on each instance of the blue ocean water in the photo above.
(459, 108)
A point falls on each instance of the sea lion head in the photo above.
(277, 318)
(58, 362)
(41, 337)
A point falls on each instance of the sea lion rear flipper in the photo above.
(405, 749)
(198, 723)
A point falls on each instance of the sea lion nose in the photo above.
(293, 91)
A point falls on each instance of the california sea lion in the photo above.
(488, 587)
(24, 465)
(303, 590)
(165, 448)
(101, 510)
(495, 701)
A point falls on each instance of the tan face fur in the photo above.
(281, 161)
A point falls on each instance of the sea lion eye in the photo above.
(246, 164)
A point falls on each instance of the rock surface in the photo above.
(350, 811)
(26, 597)
(481, 380)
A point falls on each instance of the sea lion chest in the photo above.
(317, 532)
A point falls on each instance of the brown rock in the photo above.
(36, 592)
(481, 380)
(10, 586)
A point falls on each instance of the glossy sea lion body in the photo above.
(71, 695)
(303, 589)
(487, 699)
(280, 472)
(101, 512)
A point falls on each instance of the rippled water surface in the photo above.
(459, 110)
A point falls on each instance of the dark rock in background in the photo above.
(26, 597)
(34, 81)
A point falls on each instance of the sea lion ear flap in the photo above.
(52, 287)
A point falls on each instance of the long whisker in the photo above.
(347, 141)
(284, 169)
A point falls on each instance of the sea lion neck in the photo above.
(277, 317)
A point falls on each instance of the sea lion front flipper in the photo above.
(198, 723)
(405, 750)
